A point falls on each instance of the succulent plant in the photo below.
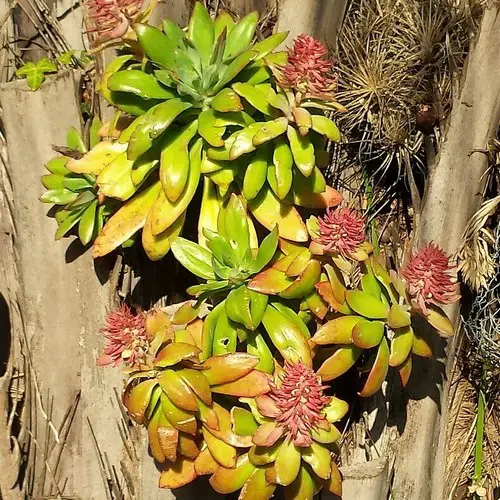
(75, 195)
(292, 433)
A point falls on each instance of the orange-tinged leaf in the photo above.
(267, 434)
(325, 290)
(326, 436)
(378, 372)
(225, 429)
(367, 334)
(177, 390)
(302, 488)
(398, 317)
(299, 263)
(284, 263)
(257, 487)
(154, 442)
(317, 305)
(126, 222)
(207, 415)
(319, 458)
(290, 247)
(339, 362)
(195, 328)
(94, 161)
(222, 452)
(304, 284)
(401, 345)
(328, 198)
(178, 474)
(179, 418)
(438, 319)
(229, 367)
(251, 385)
(270, 281)
(137, 399)
(269, 211)
(188, 446)
(198, 384)
(334, 484)
(287, 464)
(185, 314)
(336, 331)
(405, 370)
(176, 352)
(226, 481)
(168, 438)
(336, 281)
(367, 305)
(205, 463)
(156, 321)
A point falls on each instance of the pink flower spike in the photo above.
(429, 278)
(111, 19)
(308, 71)
(300, 400)
(341, 231)
(126, 340)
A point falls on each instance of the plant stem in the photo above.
(478, 457)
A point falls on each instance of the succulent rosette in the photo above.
(292, 434)
(171, 388)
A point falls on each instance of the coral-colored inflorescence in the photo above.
(300, 399)
(308, 70)
(429, 278)
(341, 231)
(111, 18)
(126, 339)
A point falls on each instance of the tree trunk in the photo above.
(453, 193)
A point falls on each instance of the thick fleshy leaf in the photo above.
(225, 429)
(421, 346)
(335, 410)
(94, 161)
(405, 370)
(287, 464)
(257, 346)
(249, 386)
(367, 333)
(401, 345)
(398, 317)
(326, 436)
(168, 437)
(326, 127)
(287, 336)
(367, 305)
(302, 488)
(270, 130)
(176, 352)
(193, 257)
(325, 291)
(267, 406)
(317, 305)
(157, 246)
(237, 306)
(177, 390)
(126, 222)
(266, 251)
(222, 452)
(319, 458)
(198, 383)
(201, 32)
(154, 444)
(188, 446)
(178, 474)
(179, 418)
(304, 284)
(227, 368)
(227, 100)
(137, 399)
(327, 198)
(185, 314)
(270, 211)
(227, 481)
(336, 331)
(263, 455)
(225, 335)
(270, 281)
(257, 487)
(302, 150)
(236, 225)
(336, 281)
(339, 362)
(139, 83)
(205, 463)
(242, 422)
(207, 415)
(438, 319)
(334, 484)
(378, 371)
(267, 434)
(240, 36)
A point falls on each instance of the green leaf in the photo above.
(74, 140)
(234, 68)
(201, 32)
(46, 66)
(239, 38)
(70, 221)
(222, 22)
(193, 257)
(235, 226)
(267, 249)
(139, 83)
(220, 247)
(35, 72)
(87, 224)
(95, 126)
(173, 32)
(367, 305)
(269, 44)
(156, 45)
(58, 196)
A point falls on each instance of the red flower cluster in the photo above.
(429, 280)
(126, 339)
(307, 70)
(111, 18)
(296, 403)
(341, 231)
